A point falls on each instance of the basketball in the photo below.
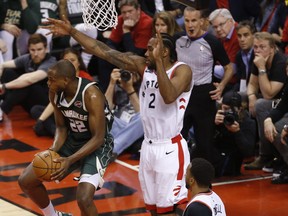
(43, 164)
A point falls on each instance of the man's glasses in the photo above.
(221, 25)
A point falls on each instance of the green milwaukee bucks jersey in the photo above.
(75, 113)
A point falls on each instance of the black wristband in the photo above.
(4, 87)
(129, 94)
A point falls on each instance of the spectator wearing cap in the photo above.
(236, 134)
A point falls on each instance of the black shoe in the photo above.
(281, 179)
(257, 164)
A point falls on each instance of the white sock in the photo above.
(49, 210)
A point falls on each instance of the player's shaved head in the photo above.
(64, 68)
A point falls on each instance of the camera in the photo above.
(125, 75)
(230, 117)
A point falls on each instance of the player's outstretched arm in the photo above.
(122, 60)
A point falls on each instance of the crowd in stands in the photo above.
(237, 51)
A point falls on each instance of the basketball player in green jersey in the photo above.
(82, 139)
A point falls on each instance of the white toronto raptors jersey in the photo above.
(212, 200)
(161, 121)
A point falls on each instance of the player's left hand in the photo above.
(62, 171)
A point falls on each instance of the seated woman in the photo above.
(164, 22)
(45, 125)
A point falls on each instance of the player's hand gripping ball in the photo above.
(43, 164)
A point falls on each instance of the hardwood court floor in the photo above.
(251, 194)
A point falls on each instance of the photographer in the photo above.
(122, 97)
(235, 136)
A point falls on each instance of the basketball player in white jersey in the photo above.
(204, 201)
(164, 95)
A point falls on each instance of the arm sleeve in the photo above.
(21, 61)
(31, 16)
(218, 50)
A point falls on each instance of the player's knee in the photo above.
(23, 181)
(26, 180)
(84, 200)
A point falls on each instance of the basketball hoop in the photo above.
(101, 14)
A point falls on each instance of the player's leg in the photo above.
(146, 177)
(172, 191)
(85, 195)
(36, 191)
(91, 179)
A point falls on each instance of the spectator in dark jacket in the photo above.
(18, 19)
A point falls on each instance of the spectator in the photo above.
(82, 140)
(163, 22)
(45, 125)
(26, 86)
(225, 28)
(18, 19)
(132, 33)
(266, 83)
(165, 90)
(71, 10)
(122, 97)
(204, 201)
(48, 8)
(244, 58)
(236, 134)
(200, 50)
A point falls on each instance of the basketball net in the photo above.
(101, 14)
